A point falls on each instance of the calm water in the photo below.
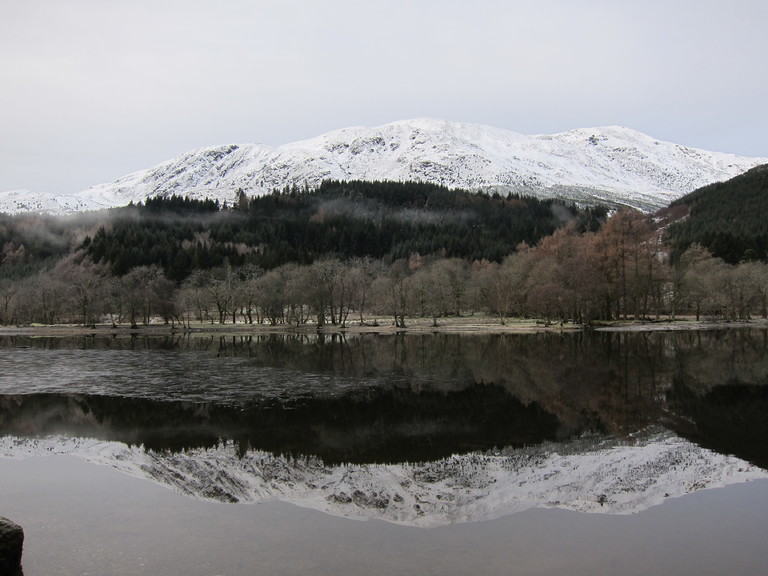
(550, 453)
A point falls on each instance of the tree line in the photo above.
(618, 272)
(184, 261)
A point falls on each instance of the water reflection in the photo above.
(235, 406)
(593, 474)
(371, 425)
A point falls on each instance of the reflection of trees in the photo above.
(413, 388)
(370, 425)
(603, 380)
(730, 419)
(707, 359)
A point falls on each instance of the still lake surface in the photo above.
(577, 453)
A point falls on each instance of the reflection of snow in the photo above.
(591, 475)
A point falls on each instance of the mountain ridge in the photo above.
(609, 164)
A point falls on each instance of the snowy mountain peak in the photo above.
(610, 164)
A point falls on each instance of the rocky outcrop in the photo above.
(11, 543)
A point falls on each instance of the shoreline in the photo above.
(458, 325)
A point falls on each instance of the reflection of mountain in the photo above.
(590, 475)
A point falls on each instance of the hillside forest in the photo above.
(384, 251)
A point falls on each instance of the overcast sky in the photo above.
(91, 90)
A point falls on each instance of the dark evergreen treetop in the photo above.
(180, 205)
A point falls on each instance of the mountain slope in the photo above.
(610, 164)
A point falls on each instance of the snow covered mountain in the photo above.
(610, 164)
(595, 475)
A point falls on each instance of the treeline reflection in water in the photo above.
(390, 398)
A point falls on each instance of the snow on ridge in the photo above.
(614, 163)
(590, 475)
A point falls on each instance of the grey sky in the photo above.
(91, 90)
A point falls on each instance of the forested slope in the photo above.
(727, 218)
(396, 250)
(387, 220)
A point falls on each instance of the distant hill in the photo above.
(729, 218)
(609, 165)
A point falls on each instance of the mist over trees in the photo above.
(364, 252)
